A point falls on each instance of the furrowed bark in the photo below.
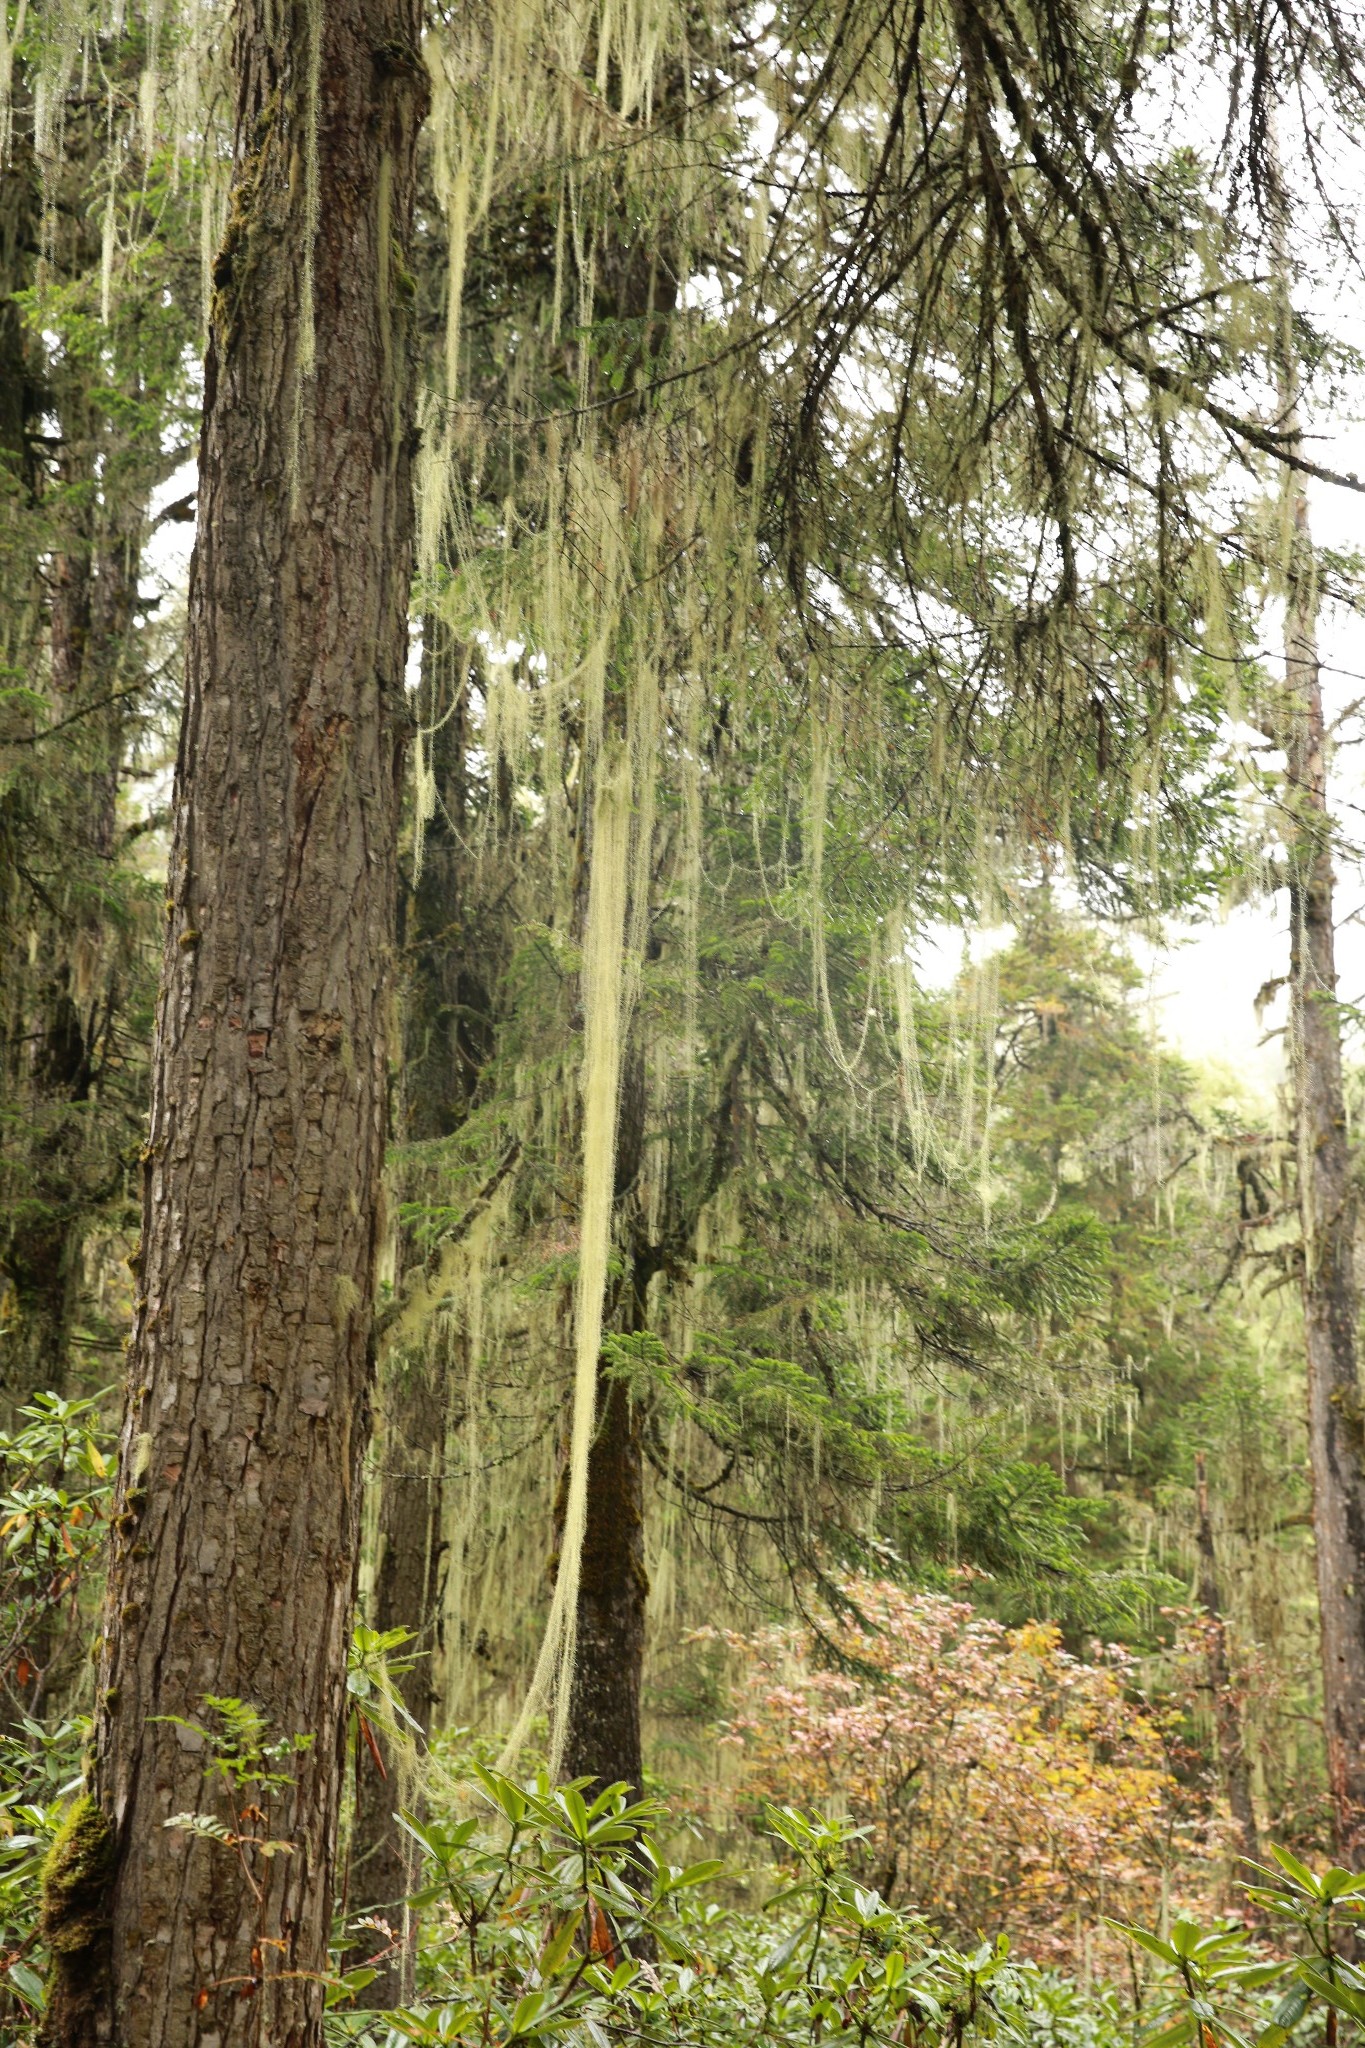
(235, 1529)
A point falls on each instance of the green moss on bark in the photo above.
(75, 1921)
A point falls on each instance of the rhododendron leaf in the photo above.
(1151, 1942)
(1186, 1938)
(527, 2012)
(1172, 2037)
(570, 1802)
(502, 1792)
(559, 1945)
(1342, 1996)
(777, 1959)
(1297, 1872)
(1291, 2007)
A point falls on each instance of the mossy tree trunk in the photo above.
(235, 1532)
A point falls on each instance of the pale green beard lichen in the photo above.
(604, 999)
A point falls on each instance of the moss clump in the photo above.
(75, 1919)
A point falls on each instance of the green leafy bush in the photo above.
(552, 1917)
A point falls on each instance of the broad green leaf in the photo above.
(1186, 1938)
(1340, 1995)
(1298, 1872)
(28, 1983)
(559, 1945)
(777, 1959)
(1151, 1942)
(528, 2011)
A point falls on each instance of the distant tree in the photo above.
(98, 412)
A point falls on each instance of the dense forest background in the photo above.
(697, 513)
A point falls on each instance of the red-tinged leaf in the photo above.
(602, 1942)
(373, 1747)
(201, 1999)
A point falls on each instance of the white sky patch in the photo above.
(166, 557)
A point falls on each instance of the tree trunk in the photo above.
(1336, 1422)
(1336, 1418)
(1232, 1757)
(603, 1735)
(234, 1538)
(603, 1739)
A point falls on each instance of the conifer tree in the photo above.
(96, 391)
(235, 1534)
(833, 526)
(1326, 1198)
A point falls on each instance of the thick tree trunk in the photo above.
(1232, 1757)
(1336, 1422)
(234, 1545)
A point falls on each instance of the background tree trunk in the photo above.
(1336, 1420)
(234, 1546)
(384, 1865)
(447, 1037)
(603, 1739)
(1227, 1714)
(603, 1735)
(1336, 1425)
